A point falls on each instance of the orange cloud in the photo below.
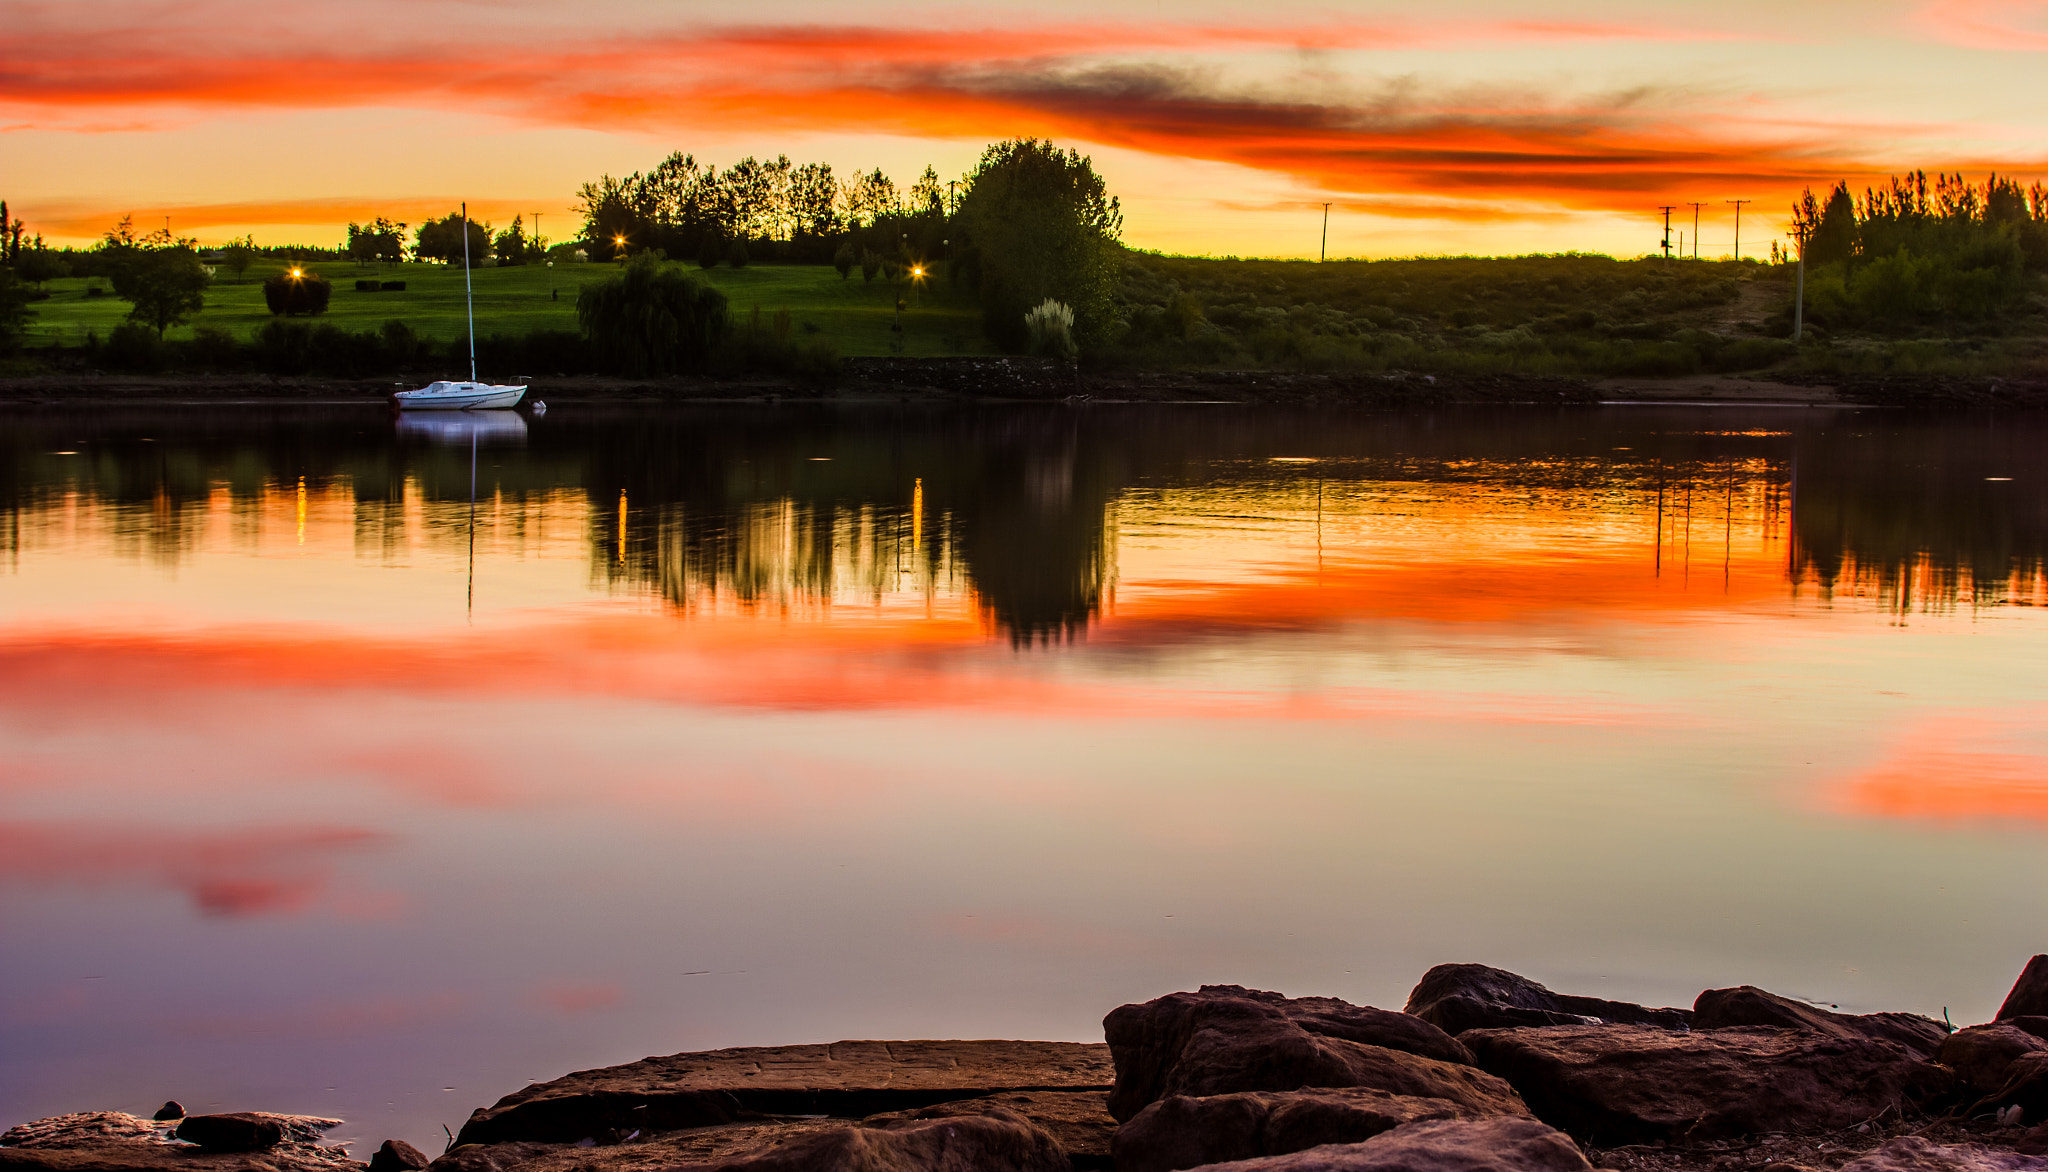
(1958, 767)
(580, 997)
(77, 219)
(2007, 26)
(245, 872)
(1087, 81)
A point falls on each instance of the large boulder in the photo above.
(1079, 1120)
(1628, 1084)
(846, 1079)
(943, 1138)
(1980, 1055)
(1485, 1145)
(1181, 1131)
(1913, 1154)
(1748, 1005)
(1225, 1038)
(1460, 997)
(237, 1131)
(2029, 996)
(396, 1155)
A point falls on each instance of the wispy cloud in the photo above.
(2005, 26)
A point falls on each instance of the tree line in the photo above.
(1913, 250)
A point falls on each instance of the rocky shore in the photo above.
(1481, 1071)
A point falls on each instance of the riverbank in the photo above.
(1016, 379)
(1482, 1069)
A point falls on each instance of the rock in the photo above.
(2029, 994)
(2034, 1143)
(237, 1131)
(1460, 997)
(1911, 1153)
(1079, 1120)
(1225, 1038)
(1181, 1131)
(1751, 1006)
(170, 1110)
(1981, 1054)
(1628, 1084)
(2025, 1087)
(850, 1079)
(1485, 1145)
(396, 1155)
(949, 1137)
(2034, 1024)
(81, 1128)
(112, 1141)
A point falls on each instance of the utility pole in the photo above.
(950, 201)
(1666, 245)
(1696, 230)
(1738, 224)
(1326, 232)
(1799, 298)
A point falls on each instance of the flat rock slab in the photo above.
(1627, 1084)
(844, 1079)
(1913, 1154)
(132, 1156)
(1079, 1120)
(1486, 1145)
(948, 1137)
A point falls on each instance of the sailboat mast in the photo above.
(468, 295)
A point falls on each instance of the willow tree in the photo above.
(1041, 224)
(652, 319)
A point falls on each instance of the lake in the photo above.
(373, 768)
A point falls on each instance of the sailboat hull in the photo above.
(447, 396)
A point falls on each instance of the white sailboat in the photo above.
(450, 395)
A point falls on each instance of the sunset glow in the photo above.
(1481, 127)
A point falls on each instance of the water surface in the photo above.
(334, 784)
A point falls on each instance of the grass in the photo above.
(853, 315)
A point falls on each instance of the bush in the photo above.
(651, 319)
(213, 348)
(369, 286)
(1051, 330)
(134, 346)
(284, 347)
(845, 259)
(870, 264)
(289, 296)
(392, 286)
(736, 253)
(709, 254)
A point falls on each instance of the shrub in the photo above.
(710, 254)
(1051, 330)
(845, 259)
(369, 286)
(284, 347)
(651, 318)
(136, 347)
(290, 296)
(870, 264)
(213, 348)
(736, 253)
(392, 286)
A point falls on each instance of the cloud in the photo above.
(1958, 766)
(243, 872)
(580, 997)
(2006, 26)
(1154, 87)
(78, 218)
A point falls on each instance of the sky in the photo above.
(1468, 126)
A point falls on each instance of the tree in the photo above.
(442, 240)
(297, 291)
(159, 275)
(845, 259)
(869, 198)
(511, 243)
(40, 264)
(927, 195)
(379, 240)
(813, 201)
(10, 236)
(652, 319)
(14, 311)
(1041, 224)
(238, 255)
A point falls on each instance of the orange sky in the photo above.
(1483, 126)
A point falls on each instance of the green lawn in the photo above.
(852, 314)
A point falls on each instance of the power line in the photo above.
(1666, 245)
(1738, 224)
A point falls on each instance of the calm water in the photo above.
(741, 726)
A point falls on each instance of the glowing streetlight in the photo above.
(619, 244)
(298, 273)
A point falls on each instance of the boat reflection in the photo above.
(500, 428)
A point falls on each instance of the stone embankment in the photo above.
(1481, 1071)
